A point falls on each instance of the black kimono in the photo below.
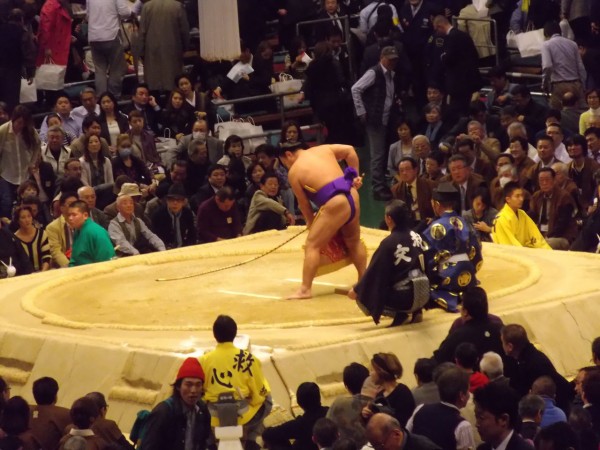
(398, 258)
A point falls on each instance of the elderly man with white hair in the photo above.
(492, 366)
(422, 149)
(130, 235)
(485, 146)
(563, 180)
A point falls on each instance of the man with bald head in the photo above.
(88, 195)
(384, 432)
(422, 148)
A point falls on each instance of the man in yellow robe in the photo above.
(512, 225)
(230, 369)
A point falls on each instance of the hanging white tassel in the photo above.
(219, 18)
(11, 270)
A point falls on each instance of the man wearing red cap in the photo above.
(182, 422)
(230, 369)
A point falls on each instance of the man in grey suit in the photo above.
(200, 131)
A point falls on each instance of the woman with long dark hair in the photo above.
(96, 168)
(178, 116)
(20, 151)
(112, 121)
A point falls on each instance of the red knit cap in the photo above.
(190, 368)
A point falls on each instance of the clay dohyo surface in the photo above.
(128, 296)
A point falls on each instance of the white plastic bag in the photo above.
(28, 92)
(242, 128)
(166, 146)
(288, 84)
(50, 76)
(530, 43)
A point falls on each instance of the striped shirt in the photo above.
(38, 249)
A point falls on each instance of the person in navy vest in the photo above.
(374, 97)
(451, 430)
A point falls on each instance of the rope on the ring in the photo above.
(231, 266)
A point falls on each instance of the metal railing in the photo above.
(269, 133)
(347, 42)
(280, 95)
(493, 48)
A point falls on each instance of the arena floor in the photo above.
(113, 327)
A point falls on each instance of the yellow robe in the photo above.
(229, 369)
(517, 229)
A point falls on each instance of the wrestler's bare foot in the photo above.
(301, 294)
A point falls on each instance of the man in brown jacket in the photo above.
(552, 209)
(48, 421)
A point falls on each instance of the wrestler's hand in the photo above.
(352, 294)
(357, 182)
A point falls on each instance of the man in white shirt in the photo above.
(560, 151)
(103, 34)
(89, 105)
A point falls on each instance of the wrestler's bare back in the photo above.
(316, 166)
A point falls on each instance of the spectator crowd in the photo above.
(97, 179)
(486, 386)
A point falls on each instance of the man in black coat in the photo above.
(173, 222)
(166, 427)
(530, 113)
(415, 18)
(497, 415)
(530, 365)
(460, 62)
(477, 328)
(300, 429)
(387, 287)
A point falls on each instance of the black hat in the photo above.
(176, 191)
(446, 193)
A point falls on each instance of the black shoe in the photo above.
(382, 196)
(399, 319)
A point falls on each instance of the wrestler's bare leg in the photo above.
(351, 236)
(330, 219)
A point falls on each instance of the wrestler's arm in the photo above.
(303, 202)
(346, 153)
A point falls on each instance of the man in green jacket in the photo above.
(91, 242)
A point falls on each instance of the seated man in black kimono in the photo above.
(394, 283)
